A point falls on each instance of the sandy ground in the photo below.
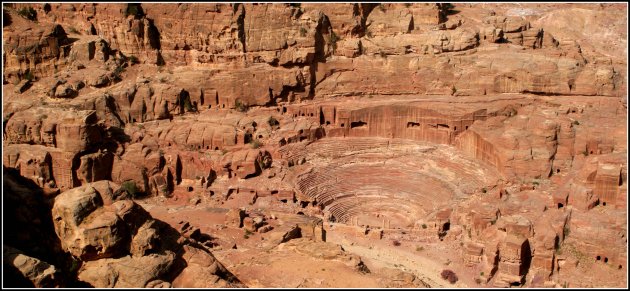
(426, 264)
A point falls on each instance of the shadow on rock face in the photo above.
(96, 237)
(30, 229)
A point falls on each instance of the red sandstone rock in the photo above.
(499, 128)
(39, 273)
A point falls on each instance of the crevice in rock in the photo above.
(240, 21)
(363, 10)
(153, 35)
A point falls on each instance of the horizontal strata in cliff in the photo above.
(495, 132)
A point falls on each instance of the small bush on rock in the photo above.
(130, 187)
(272, 121)
(449, 276)
(240, 106)
(28, 13)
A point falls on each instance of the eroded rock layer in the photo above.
(315, 145)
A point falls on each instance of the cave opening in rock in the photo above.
(358, 124)
(413, 124)
(401, 171)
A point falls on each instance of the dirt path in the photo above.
(382, 256)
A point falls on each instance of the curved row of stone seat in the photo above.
(317, 182)
(361, 178)
(344, 210)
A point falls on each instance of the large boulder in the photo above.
(121, 245)
(39, 273)
(88, 230)
(126, 272)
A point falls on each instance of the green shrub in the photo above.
(381, 7)
(424, 226)
(575, 122)
(240, 106)
(133, 60)
(303, 31)
(28, 13)
(74, 266)
(133, 9)
(419, 248)
(29, 75)
(130, 187)
(256, 144)
(187, 105)
(247, 234)
(483, 190)
(261, 164)
(558, 249)
(116, 74)
(272, 121)
(333, 40)
(73, 30)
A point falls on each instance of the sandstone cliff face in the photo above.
(34, 50)
(301, 36)
(291, 105)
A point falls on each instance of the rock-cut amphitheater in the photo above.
(315, 145)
